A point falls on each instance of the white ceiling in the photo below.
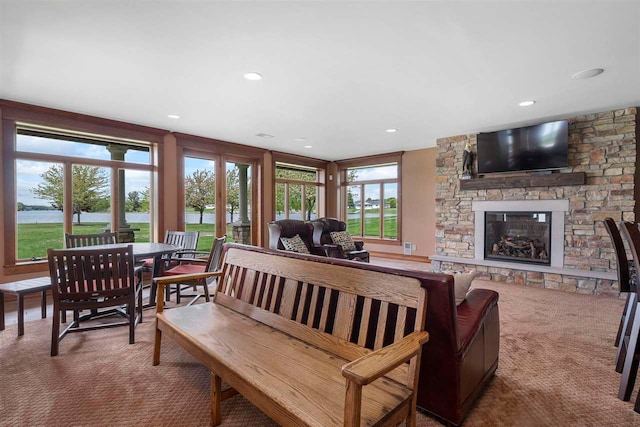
(335, 73)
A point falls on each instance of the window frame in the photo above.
(222, 152)
(16, 116)
(366, 162)
(318, 184)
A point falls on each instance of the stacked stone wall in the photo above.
(602, 145)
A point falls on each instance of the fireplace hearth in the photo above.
(518, 236)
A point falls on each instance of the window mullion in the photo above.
(381, 210)
(286, 200)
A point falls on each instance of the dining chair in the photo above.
(77, 240)
(186, 240)
(94, 279)
(627, 284)
(181, 272)
(630, 335)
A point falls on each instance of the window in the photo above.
(297, 192)
(200, 199)
(371, 201)
(64, 184)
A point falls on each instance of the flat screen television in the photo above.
(539, 147)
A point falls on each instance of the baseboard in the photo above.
(417, 258)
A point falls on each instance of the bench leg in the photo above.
(1, 311)
(20, 315)
(216, 397)
(352, 404)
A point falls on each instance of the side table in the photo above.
(20, 289)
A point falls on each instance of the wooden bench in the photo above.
(300, 336)
(21, 288)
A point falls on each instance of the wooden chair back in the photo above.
(622, 262)
(186, 240)
(215, 257)
(78, 240)
(344, 310)
(632, 234)
(91, 278)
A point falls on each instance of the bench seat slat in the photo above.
(291, 381)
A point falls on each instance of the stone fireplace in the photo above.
(580, 256)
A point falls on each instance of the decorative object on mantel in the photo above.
(467, 162)
(521, 181)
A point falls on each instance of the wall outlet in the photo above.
(407, 248)
(414, 247)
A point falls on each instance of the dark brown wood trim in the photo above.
(9, 191)
(378, 159)
(295, 159)
(550, 180)
(375, 241)
(18, 111)
(417, 258)
(216, 146)
(29, 267)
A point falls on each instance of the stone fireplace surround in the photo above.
(603, 146)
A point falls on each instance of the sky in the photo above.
(372, 191)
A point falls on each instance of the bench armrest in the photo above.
(372, 366)
(169, 280)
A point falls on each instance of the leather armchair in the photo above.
(289, 228)
(322, 228)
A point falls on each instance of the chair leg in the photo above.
(630, 309)
(622, 319)
(206, 292)
(55, 331)
(178, 286)
(630, 369)
(131, 309)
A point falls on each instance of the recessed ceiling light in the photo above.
(301, 139)
(173, 116)
(391, 130)
(253, 76)
(526, 103)
(264, 135)
(587, 74)
(308, 146)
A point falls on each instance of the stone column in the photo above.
(125, 232)
(242, 228)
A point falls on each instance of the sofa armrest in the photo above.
(359, 244)
(472, 312)
(317, 250)
(334, 251)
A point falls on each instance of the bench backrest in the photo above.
(345, 310)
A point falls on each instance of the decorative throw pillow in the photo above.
(462, 282)
(343, 238)
(294, 244)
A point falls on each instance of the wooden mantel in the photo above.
(520, 181)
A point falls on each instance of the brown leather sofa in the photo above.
(322, 228)
(289, 228)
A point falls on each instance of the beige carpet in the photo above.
(556, 369)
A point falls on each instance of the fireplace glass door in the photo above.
(518, 237)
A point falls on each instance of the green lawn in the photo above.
(35, 239)
(372, 227)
